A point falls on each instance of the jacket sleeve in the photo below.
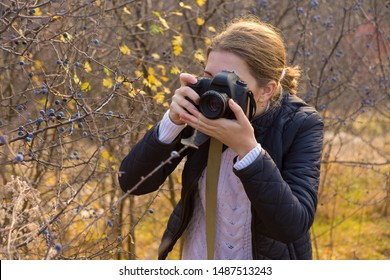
(143, 158)
(286, 199)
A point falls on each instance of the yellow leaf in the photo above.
(126, 10)
(180, 14)
(36, 12)
(108, 83)
(177, 50)
(175, 70)
(162, 69)
(120, 79)
(155, 56)
(200, 2)
(211, 29)
(125, 50)
(199, 55)
(139, 25)
(199, 21)
(154, 81)
(38, 64)
(177, 43)
(164, 22)
(87, 67)
(138, 73)
(105, 155)
(184, 6)
(76, 79)
(151, 71)
(106, 71)
(159, 97)
(177, 40)
(85, 87)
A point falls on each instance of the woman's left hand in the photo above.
(237, 134)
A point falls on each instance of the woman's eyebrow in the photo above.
(208, 73)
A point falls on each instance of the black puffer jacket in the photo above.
(281, 183)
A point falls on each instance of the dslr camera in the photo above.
(215, 94)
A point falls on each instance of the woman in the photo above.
(270, 168)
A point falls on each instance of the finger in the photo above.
(186, 79)
(189, 119)
(237, 110)
(186, 98)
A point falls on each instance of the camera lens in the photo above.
(213, 104)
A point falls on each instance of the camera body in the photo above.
(215, 94)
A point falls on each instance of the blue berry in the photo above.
(58, 247)
(96, 41)
(31, 74)
(21, 62)
(44, 91)
(75, 153)
(57, 102)
(59, 62)
(39, 120)
(151, 211)
(62, 129)
(110, 224)
(19, 157)
(20, 133)
(20, 128)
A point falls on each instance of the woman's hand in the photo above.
(181, 99)
(238, 134)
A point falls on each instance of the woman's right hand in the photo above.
(181, 99)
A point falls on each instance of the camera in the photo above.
(215, 94)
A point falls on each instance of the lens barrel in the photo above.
(214, 104)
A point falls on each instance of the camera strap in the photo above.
(212, 175)
(252, 106)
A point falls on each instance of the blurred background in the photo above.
(81, 82)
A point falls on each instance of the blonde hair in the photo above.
(261, 46)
